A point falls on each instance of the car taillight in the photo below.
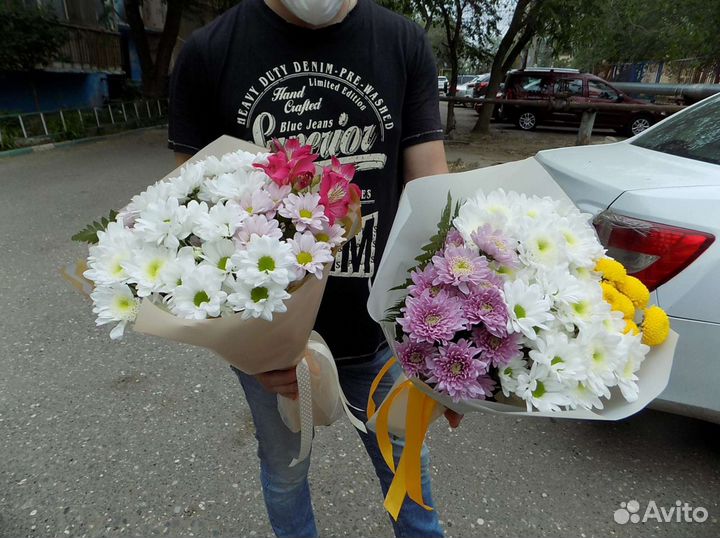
(650, 251)
(483, 85)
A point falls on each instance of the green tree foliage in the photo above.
(614, 31)
(31, 37)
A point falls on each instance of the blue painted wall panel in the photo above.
(30, 92)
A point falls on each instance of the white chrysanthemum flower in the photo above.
(633, 352)
(243, 160)
(257, 202)
(603, 355)
(266, 260)
(494, 208)
(580, 304)
(146, 268)
(528, 306)
(105, 261)
(581, 243)
(220, 222)
(277, 192)
(115, 303)
(231, 185)
(188, 182)
(257, 225)
(542, 246)
(509, 374)
(333, 235)
(174, 270)
(258, 301)
(310, 254)
(218, 253)
(540, 390)
(581, 396)
(305, 211)
(200, 295)
(158, 192)
(163, 223)
(560, 354)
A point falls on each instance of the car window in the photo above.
(694, 134)
(569, 86)
(599, 90)
(532, 85)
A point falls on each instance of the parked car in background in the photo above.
(443, 84)
(556, 83)
(465, 86)
(656, 201)
(480, 85)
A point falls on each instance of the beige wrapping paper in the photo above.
(251, 345)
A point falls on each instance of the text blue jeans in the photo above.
(286, 490)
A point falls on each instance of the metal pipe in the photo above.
(694, 92)
(97, 118)
(62, 119)
(112, 119)
(123, 111)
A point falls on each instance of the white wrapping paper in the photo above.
(420, 208)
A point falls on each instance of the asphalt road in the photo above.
(146, 438)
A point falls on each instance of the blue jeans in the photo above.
(286, 490)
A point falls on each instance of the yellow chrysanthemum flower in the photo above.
(622, 303)
(609, 292)
(635, 290)
(630, 326)
(655, 326)
(611, 270)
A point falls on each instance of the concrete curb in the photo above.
(46, 147)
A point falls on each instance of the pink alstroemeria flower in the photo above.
(336, 191)
(290, 161)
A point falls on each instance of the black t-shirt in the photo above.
(361, 90)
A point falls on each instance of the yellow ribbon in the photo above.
(420, 407)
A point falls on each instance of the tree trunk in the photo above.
(154, 72)
(522, 24)
(452, 89)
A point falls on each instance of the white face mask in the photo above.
(314, 12)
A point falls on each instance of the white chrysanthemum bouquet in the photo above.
(511, 300)
(235, 234)
(507, 297)
(231, 252)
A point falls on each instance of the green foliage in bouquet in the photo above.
(89, 233)
(437, 242)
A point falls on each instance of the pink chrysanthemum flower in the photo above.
(487, 306)
(257, 225)
(454, 239)
(496, 245)
(456, 371)
(460, 267)
(428, 318)
(305, 211)
(423, 280)
(415, 357)
(499, 351)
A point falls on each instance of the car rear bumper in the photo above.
(695, 378)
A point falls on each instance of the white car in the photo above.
(656, 201)
(443, 84)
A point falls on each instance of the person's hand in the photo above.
(453, 418)
(283, 382)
